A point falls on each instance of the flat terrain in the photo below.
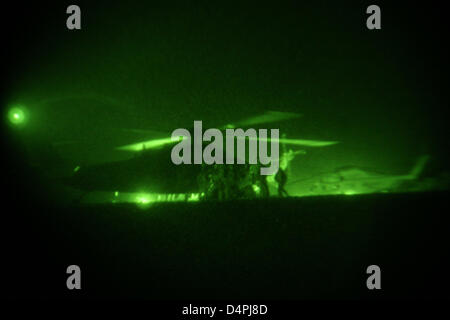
(308, 248)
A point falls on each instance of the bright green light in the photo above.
(142, 200)
(16, 116)
(194, 197)
(145, 199)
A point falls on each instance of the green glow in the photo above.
(16, 115)
(156, 143)
(301, 142)
(142, 199)
(76, 169)
(149, 144)
(194, 197)
(146, 199)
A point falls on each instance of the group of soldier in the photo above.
(243, 181)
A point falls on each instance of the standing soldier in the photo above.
(282, 175)
(281, 179)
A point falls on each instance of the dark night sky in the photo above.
(161, 66)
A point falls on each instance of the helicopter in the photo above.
(149, 175)
(354, 180)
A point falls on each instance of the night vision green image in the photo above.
(362, 164)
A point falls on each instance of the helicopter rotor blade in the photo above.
(299, 142)
(156, 143)
(307, 143)
(148, 144)
(267, 117)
